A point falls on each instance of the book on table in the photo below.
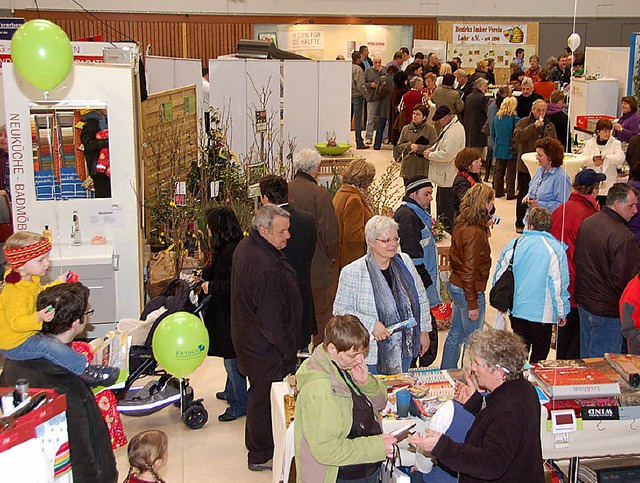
(574, 382)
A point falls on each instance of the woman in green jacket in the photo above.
(338, 433)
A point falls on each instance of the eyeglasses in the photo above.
(89, 313)
(388, 241)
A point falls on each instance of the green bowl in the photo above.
(333, 150)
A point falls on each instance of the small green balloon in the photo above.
(180, 343)
(42, 53)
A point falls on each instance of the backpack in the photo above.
(501, 294)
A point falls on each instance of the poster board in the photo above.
(475, 41)
(427, 46)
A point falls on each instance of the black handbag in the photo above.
(501, 294)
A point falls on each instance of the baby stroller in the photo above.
(178, 296)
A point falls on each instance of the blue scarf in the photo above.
(395, 304)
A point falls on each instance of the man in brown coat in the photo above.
(528, 130)
(305, 194)
(446, 95)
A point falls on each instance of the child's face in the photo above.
(37, 266)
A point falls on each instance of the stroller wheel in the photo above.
(195, 416)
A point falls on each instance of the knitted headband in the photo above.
(20, 255)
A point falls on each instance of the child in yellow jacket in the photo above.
(20, 339)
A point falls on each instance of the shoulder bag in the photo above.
(501, 294)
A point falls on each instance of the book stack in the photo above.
(620, 470)
(574, 382)
(627, 365)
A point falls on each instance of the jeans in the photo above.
(235, 389)
(406, 363)
(598, 334)
(372, 112)
(356, 108)
(461, 326)
(40, 346)
(382, 124)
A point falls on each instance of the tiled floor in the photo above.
(216, 453)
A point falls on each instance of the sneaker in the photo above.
(100, 375)
(261, 466)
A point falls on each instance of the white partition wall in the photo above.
(316, 98)
(262, 79)
(166, 73)
(301, 105)
(334, 99)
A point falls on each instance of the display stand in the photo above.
(592, 97)
(113, 270)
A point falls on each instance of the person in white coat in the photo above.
(442, 169)
(606, 153)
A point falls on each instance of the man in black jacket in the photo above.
(90, 450)
(266, 309)
(299, 250)
(607, 257)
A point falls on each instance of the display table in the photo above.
(330, 165)
(282, 436)
(572, 163)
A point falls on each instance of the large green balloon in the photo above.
(42, 53)
(180, 343)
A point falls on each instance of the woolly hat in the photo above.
(414, 183)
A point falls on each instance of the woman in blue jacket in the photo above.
(502, 128)
(550, 186)
(541, 274)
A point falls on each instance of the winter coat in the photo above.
(353, 212)
(526, 134)
(217, 317)
(384, 107)
(501, 132)
(358, 88)
(607, 257)
(306, 195)
(450, 142)
(541, 276)
(560, 121)
(460, 187)
(92, 146)
(475, 115)
(470, 259)
(355, 296)
(371, 75)
(633, 150)
(630, 315)
(448, 96)
(266, 309)
(523, 108)
(569, 216)
(630, 126)
(634, 223)
(417, 241)
(90, 450)
(613, 157)
(324, 416)
(414, 163)
(503, 443)
(299, 251)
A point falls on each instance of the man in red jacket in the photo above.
(566, 220)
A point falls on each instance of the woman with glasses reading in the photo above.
(383, 289)
(470, 258)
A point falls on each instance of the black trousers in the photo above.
(536, 336)
(523, 188)
(102, 185)
(258, 435)
(569, 337)
(444, 205)
(503, 166)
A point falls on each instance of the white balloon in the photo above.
(573, 41)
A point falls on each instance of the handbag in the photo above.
(501, 294)
(513, 145)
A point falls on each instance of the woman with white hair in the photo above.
(383, 289)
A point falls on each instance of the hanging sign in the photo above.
(489, 33)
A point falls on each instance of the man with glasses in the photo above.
(92, 458)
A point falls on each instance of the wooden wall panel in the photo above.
(196, 36)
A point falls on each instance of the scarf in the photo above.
(466, 174)
(395, 304)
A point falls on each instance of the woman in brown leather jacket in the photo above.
(470, 259)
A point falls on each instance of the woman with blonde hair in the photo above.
(470, 258)
(353, 210)
(502, 128)
(445, 68)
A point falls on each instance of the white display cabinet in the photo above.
(592, 97)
